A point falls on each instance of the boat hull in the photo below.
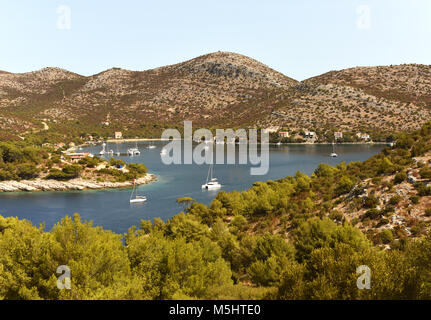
(138, 200)
(211, 187)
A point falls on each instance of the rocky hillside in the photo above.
(219, 89)
(366, 98)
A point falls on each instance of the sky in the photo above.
(300, 38)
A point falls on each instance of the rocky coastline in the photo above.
(70, 185)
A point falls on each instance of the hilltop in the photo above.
(220, 89)
(363, 98)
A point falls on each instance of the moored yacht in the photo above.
(211, 183)
(333, 154)
(134, 198)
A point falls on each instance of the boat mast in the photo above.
(133, 190)
(208, 175)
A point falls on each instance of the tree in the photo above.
(186, 202)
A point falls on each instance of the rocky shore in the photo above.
(74, 184)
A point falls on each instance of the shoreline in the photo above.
(79, 184)
(271, 143)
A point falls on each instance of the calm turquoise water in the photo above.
(112, 210)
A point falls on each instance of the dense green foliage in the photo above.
(278, 240)
(185, 258)
(19, 161)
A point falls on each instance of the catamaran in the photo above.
(134, 198)
(134, 151)
(333, 154)
(211, 183)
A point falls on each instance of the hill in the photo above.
(220, 89)
(360, 99)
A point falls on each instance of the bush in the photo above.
(27, 171)
(57, 174)
(395, 200)
(422, 190)
(73, 170)
(425, 173)
(386, 236)
(372, 214)
(90, 162)
(414, 199)
(137, 168)
(116, 163)
(371, 202)
(7, 175)
(345, 185)
(68, 172)
(400, 177)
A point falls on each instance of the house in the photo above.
(338, 135)
(75, 157)
(283, 134)
(118, 135)
(363, 136)
(310, 134)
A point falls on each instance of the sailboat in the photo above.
(134, 198)
(333, 154)
(102, 153)
(211, 183)
(151, 146)
(110, 152)
(117, 153)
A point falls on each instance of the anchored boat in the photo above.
(211, 183)
(134, 198)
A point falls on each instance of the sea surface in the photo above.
(112, 209)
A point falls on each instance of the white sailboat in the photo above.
(117, 153)
(134, 198)
(151, 146)
(110, 152)
(103, 149)
(333, 154)
(211, 183)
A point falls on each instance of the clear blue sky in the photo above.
(298, 38)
